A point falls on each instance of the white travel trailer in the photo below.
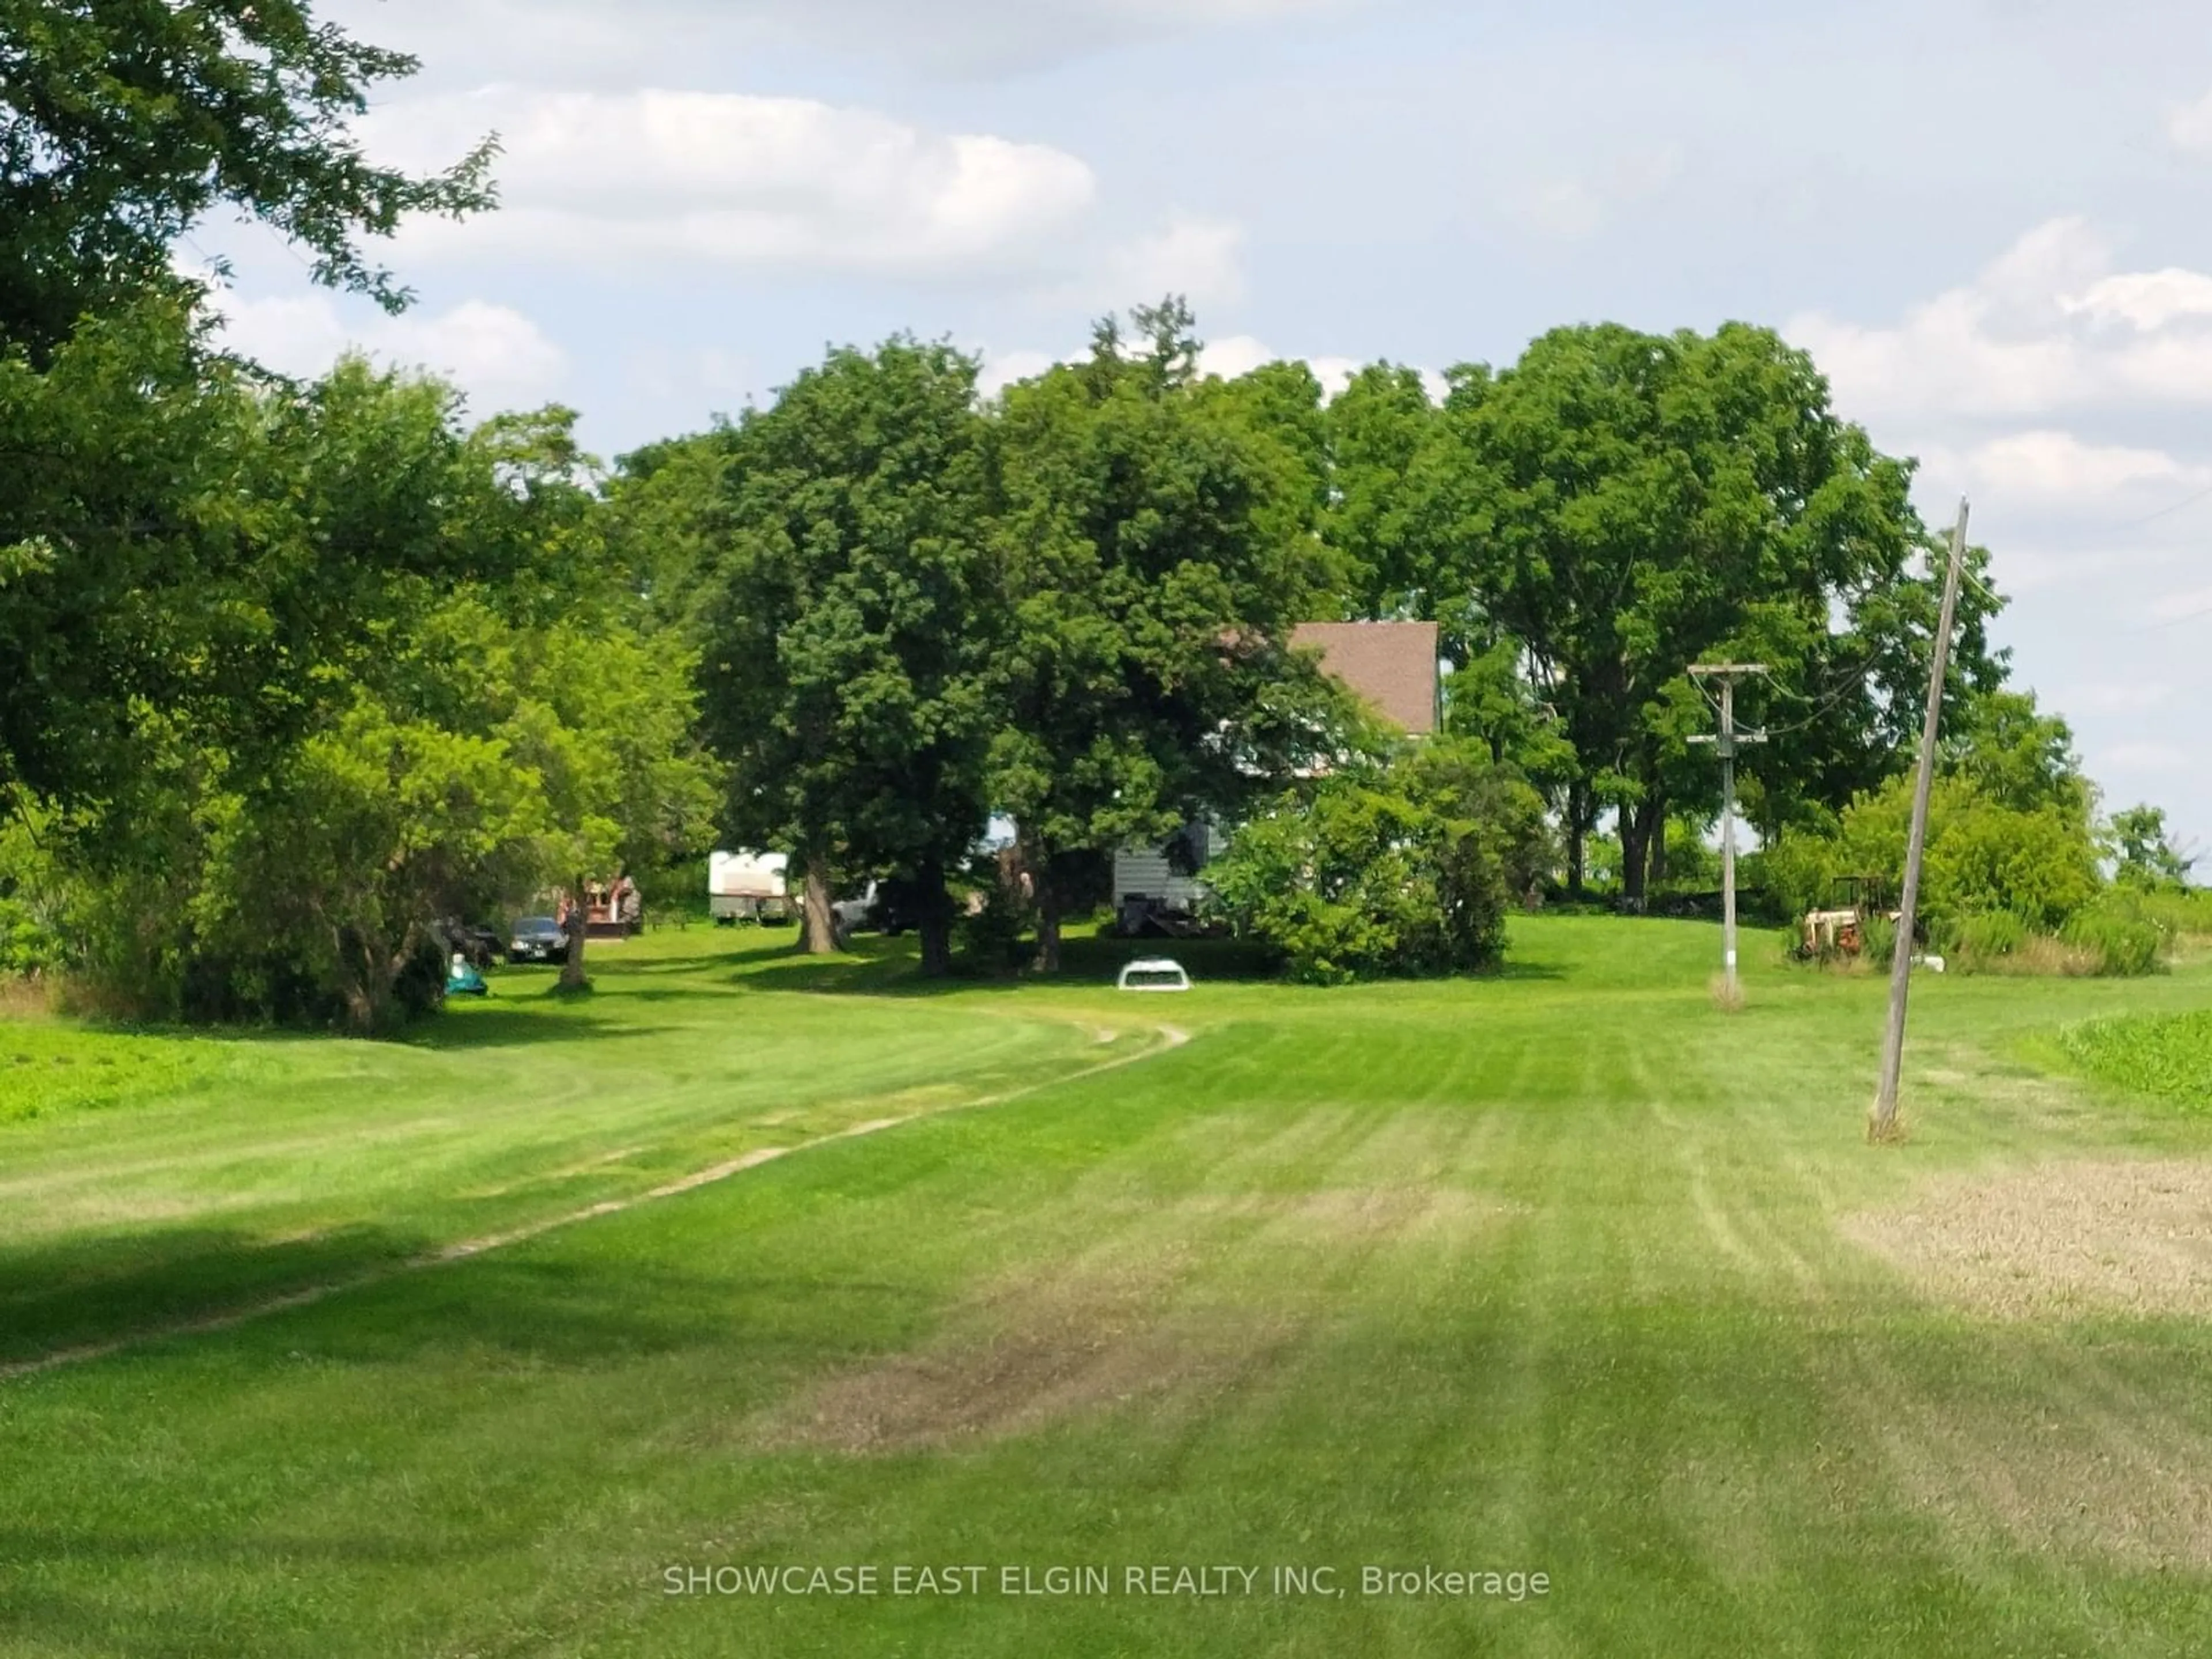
(749, 887)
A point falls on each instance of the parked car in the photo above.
(481, 945)
(892, 906)
(854, 913)
(537, 938)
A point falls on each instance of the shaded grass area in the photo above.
(227, 1171)
(1547, 1273)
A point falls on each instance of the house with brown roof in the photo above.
(1391, 666)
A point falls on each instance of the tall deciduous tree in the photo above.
(1157, 546)
(851, 627)
(2143, 851)
(124, 123)
(195, 537)
(136, 540)
(597, 699)
(1381, 519)
(1623, 505)
(425, 695)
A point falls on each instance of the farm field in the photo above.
(462, 1346)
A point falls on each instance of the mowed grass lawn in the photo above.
(1561, 1272)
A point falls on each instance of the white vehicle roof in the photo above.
(1165, 973)
(747, 875)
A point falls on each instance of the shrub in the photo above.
(1403, 869)
(1878, 942)
(27, 945)
(2037, 866)
(2178, 912)
(2111, 938)
(2115, 943)
(995, 936)
(31, 928)
(675, 888)
(1983, 856)
(1983, 937)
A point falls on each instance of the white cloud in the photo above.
(1239, 354)
(2026, 569)
(731, 179)
(1201, 259)
(2149, 299)
(1335, 373)
(2047, 326)
(497, 355)
(1002, 368)
(2056, 468)
(1567, 209)
(664, 375)
(2189, 126)
(1230, 356)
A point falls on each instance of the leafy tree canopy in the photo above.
(850, 625)
(2143, 851)
(125, 123)
(1621, 505)
(1157, 537)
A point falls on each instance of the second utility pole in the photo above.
(1728, 673)
(1882, 1125)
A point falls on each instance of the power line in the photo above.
(2197, 615)
(2166, 512)
(1856, 679)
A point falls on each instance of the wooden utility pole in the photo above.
(1882, 1125)
(1726, 740)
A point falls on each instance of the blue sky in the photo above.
(1984, 217)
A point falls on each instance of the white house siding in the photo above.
(1145, 870)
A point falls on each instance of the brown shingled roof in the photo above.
(1390, 665)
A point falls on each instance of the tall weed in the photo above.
(2169, 1056)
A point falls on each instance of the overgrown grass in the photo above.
(2181, 913)
(1547, 1272)
(2169, 1056)
(49, 1069)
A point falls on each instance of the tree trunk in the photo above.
(360, 989)
(573, 977)
(1036, 864)
(1048, 904)
(1576, 864)
(934, 924)
(359, 1001)
(1628, 825)
(1639, 826)
(818, 934)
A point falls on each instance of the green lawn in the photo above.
(1561, 1272)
